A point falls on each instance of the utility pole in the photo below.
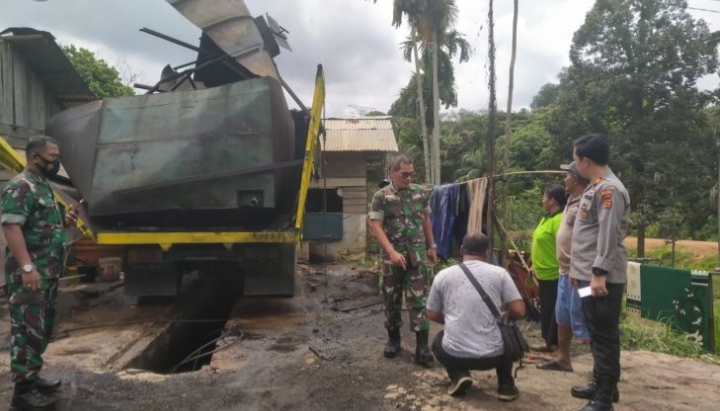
(508, 122)
(489, 221)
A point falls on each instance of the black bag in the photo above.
(513, 340)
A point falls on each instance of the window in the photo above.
(315, 201)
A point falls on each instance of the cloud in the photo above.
(353, 39)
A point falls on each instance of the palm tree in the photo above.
(407, 9)
(434, 18)
(452, 43)
(431, 23)
(421, 107)
(473, 164)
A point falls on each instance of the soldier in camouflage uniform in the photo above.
(400, 220)
(33, 225)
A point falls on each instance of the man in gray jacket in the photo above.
(599, 260)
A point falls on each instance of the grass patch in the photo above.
(657, 338)
(661, 339)
(683, 258)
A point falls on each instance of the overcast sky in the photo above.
(353, 39)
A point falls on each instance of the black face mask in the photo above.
(49, 168)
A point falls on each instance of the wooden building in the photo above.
(354, 150)
(37, 81)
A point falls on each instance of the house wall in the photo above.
(25, 106)
(346, 171)
(25, 102)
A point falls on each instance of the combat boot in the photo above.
(27, 397)
(392, 348)
(47, 387)
(602, 400)
(423, 356)
(587, 392)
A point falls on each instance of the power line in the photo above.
(709, 11)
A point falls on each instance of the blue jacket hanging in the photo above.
(449, 204)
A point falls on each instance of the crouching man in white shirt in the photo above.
(471, 339)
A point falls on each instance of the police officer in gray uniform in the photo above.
(599, 260)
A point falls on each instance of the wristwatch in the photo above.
(434, 246)
(28, 268)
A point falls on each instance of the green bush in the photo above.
(708, 232)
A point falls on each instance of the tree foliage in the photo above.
(102, 79)
(633, 76)
(407, 103)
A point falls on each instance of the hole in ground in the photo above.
(189, 344)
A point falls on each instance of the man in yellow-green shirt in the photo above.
(545, 264)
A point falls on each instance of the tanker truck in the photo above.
(209, 169)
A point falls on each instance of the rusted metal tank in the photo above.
(218, 156)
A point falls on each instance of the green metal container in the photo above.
(221, 156)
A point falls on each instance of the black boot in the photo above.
(27, 397)
(392, 348)
(602, 401)
(47, 387)
(588, 392)
(423, 356)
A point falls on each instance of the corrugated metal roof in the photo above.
(48, 61)
(360, 134)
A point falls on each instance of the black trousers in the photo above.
(602, 316)
(457, 367)
(548, 300)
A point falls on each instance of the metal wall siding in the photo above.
(360, 134)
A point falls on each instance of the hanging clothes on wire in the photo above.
(457, 210)
(449, 204)
(476, 193)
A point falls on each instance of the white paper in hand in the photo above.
(585, 292)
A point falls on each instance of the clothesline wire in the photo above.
(530, 172)
(514, 173)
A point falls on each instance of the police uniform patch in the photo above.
(584, 214)
(606, 195)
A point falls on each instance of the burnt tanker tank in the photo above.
(219, 139)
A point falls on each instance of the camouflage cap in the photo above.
(570, 168)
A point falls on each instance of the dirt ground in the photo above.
(321, 350)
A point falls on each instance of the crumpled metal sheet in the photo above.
(231, 26)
